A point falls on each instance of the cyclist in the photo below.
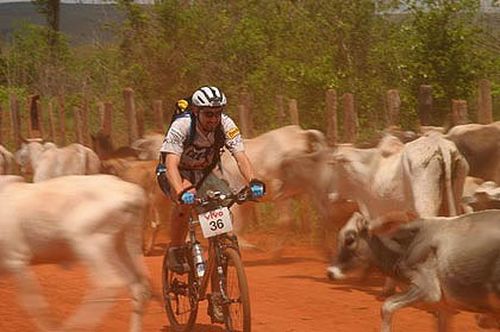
(190, 151)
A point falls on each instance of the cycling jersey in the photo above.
(200, 153)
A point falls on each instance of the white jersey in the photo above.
(200, 153)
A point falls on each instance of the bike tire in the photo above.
(181, 309)
(237, 312)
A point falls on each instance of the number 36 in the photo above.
(216, 224)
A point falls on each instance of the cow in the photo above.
(142, 172)
(480, 145)
(46, 160)
(312, 175)
(485, 196)
(425, 176)
(148, 146)
(266, 153)
(446, 264)
(93, 219)
(103, 146)
(7, 162)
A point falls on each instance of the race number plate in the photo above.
(215, 222)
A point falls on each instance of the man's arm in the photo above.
(172, 162)
(244, 165)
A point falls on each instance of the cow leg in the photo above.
(396, 302)
(389, 288)
(104, 265)
(135, 272)
(443, 321)
(31, 299)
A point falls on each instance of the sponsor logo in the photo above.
(232, 133)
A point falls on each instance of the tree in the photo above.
(51, 10)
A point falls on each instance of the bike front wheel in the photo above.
(237, 305)
(179, 298)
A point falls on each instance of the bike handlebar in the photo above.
(217, 197)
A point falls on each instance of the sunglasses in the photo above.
(211, 114)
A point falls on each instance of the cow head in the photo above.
(29, 152)
(363, 244)
(353, 251)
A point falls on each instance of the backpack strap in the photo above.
(220, 140)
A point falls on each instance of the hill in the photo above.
(83, 23)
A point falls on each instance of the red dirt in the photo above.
(288, 294)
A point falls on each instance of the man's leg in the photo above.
(178, 231)
(179, 223)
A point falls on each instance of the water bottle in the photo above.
(199, 262)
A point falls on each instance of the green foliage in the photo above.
(439, 41)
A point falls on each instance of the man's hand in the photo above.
(258, 188)
(187, 198)
(160, 169)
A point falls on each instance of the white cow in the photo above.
(148, 146)
(142, 172)
(266, 153)
(480, 145)
(7, 161)
(93, 219)
(425, 176)
(47, 161)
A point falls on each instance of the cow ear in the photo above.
(390, 222)
(338, 158)
(362, 223)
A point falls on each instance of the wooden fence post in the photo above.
(133, 132)
(293, 110)
(84, 113)
(62, 121)
(140, 121)
(331, 116)
(458, 112)
(350, 118)
(105, 118)
(393, 108)
(485, 103)
(78, 121)
(280, 110)
(243, 121)
(246, 113)
(15, 118)
(52, 123)
(246, 100)
(34, 122)
(158, 115)
(425, 104)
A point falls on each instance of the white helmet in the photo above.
(209, 96)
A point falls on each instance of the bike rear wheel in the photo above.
(179, 298)
(237, 307)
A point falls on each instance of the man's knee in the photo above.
(180, 213)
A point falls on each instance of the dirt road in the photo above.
(288, 294)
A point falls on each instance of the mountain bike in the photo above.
(229, 299)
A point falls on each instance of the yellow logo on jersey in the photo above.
(233, 133)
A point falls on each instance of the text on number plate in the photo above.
(215, 222)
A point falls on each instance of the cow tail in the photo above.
(447, 159)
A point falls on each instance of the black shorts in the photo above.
(211, 182)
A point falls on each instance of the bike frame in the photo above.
(213, 261)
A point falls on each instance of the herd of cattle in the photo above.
(410, 208)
